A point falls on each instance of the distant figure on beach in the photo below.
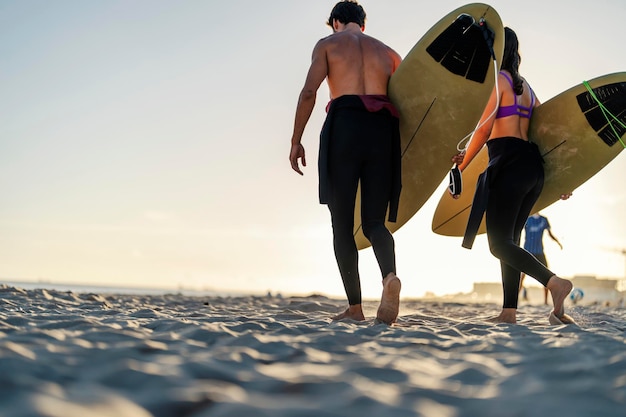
(359, 142)
(533, 243)
(511, 184)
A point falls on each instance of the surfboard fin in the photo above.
(609, 127)
(465, 48)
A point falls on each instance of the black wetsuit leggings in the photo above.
(512, 195)
(361, 149)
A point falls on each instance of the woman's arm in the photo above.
(480, 136)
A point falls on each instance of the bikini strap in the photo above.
(532, 97)
(509, 79)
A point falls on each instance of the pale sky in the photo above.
(145, 143)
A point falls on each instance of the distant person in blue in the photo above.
(533, 243)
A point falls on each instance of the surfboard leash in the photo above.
(606, 113)
(488, 36)
(468, 137)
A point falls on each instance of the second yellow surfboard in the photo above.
(577, 133)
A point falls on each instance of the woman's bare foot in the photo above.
(559, 288)
(353, 312)
(390, 300)
(564, 319)
(508, 315)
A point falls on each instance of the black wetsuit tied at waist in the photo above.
(367, 106)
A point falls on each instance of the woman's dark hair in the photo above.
(347, 11)
(512, 59)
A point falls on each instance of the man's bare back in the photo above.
(356, 63)
(352, 63)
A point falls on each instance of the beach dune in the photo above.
(83, 354)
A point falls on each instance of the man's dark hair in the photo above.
(347, 11)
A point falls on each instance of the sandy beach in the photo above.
(81, 355)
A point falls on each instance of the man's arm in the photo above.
(306, 102)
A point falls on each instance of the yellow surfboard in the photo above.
(440, 89)
(577, 133)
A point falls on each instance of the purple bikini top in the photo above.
(516, 109)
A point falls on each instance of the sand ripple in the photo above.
(82, 355)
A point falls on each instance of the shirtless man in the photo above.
(359, 142)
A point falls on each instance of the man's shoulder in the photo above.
(322, 45)
(321, 41)
(326, 41)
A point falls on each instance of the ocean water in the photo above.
(110, 289)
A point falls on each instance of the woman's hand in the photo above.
(458, 158)
(566, 196)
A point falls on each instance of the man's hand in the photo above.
(297, 152)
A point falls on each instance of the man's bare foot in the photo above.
(354, 312)
(508, 315)
(390, 300)
(559, 288)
